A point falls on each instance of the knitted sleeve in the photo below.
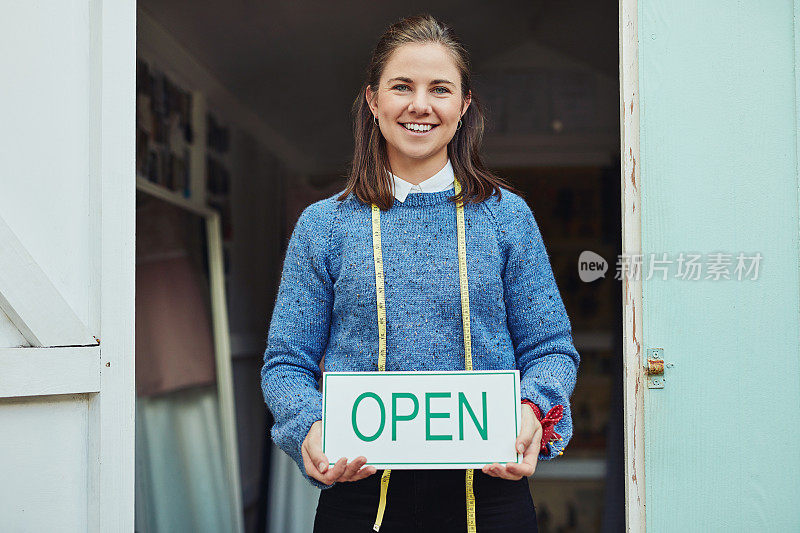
(537, 320)
(298, 334)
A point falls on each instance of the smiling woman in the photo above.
(415, 112)
(468, 285)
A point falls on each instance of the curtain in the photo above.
(181, 480)
(292, 499)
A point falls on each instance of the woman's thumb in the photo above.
(315, 452)
(525, 435)
(523, 443)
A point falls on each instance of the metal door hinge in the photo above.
(654, 369)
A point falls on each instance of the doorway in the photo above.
(548, 78)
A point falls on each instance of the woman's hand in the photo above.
(316, 463)
(528, 444)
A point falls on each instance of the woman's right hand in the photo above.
(316, 463)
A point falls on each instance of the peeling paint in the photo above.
(633, 168)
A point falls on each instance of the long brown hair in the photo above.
(368, 178)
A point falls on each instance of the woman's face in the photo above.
(418, 103)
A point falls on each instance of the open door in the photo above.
(67, 222)
(710, 187)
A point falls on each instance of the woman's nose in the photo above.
(419, 103)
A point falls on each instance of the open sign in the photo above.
(429, 420)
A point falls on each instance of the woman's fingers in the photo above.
(341, 471)
(520, 469)
(316, 463)
(364, 472)
(356, 470)
(334, 472)
(516, 471)
(318, 466)
(512, 471)
(501, 471)
(351, 469)
(491, 470)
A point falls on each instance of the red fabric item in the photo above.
(548, 423)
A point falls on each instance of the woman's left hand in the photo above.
(528, 443)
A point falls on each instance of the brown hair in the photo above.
(367, 176)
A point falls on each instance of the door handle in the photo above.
(654, 369)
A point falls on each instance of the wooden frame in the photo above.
(111, 439)
(70, 370)
(57, 338)
(633, 375)
(221, 334)
(32, 302)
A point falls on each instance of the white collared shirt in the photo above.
(441, 181)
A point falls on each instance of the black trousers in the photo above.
(427, 501)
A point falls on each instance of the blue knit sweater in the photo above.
(326, 304)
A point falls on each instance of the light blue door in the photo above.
(719, 117)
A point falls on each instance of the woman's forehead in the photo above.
(421, 63)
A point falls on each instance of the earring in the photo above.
(459, 124)
(375, 119)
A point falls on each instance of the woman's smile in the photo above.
(418, 129)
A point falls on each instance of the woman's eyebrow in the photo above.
(409, 80)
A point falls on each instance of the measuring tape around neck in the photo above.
(380, 293)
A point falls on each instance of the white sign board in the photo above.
(422, 420)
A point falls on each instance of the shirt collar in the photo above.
(441, 181)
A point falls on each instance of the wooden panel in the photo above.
(32, 302)
(719, 174)
(633, 394)
(47, 156)
(111, 413)
(43, 371)
(43, 458)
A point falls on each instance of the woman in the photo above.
(417, 128)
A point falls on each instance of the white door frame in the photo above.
(111, 412)
(633, 374)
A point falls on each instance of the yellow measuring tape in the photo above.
(379, 289)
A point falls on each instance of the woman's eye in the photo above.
(444, 90)
(400, 85)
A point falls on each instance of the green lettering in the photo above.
(402, 418)
(462, 402)
(383, 416)
(429, 415)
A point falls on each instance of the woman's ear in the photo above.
(370, 97)
(467, 101)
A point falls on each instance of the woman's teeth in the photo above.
(417, 127)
